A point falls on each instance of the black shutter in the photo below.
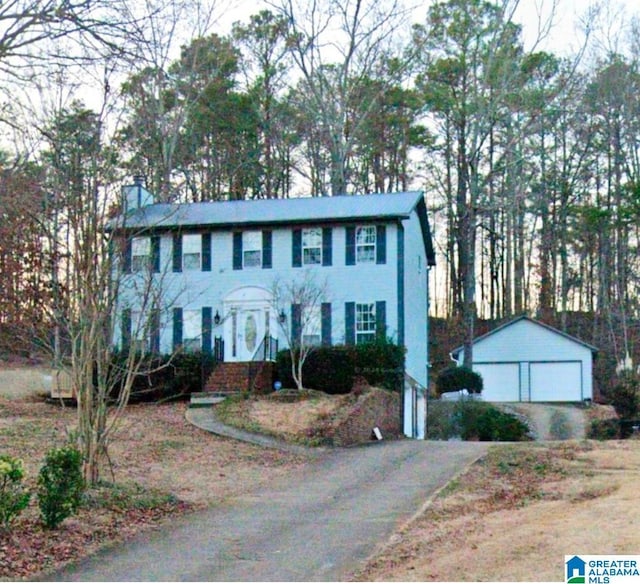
(350, 252)
(350, 323)
(266, 249)
(154, 332)
(177, 252)
(327, 246)
(206, 330)
(325, 323)
(237, 251)
(206, 252)
(381, 244)
(296, 324)
(296, 248)
(381, 319)
(155, 253)
(126, 329)
(126, 260)
(177, 328)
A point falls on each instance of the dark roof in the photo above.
(265, 212)
(534, 321)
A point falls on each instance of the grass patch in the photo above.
(122, 497)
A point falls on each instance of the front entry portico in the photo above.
(249, 320)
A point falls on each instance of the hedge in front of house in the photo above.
(164, 377)
(333, 369)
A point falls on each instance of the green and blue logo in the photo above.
(576, 568)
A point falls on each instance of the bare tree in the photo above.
(337, 46)
(303, 330)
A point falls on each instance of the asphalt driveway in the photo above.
(319, 523)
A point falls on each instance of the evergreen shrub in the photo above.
(60, 485)
(458, 378)
(13, 496)
(167, 377)
(333, 369)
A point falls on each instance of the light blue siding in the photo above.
(195, 289)
(529, 344)
(416, 305)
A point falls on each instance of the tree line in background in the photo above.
(530, 161)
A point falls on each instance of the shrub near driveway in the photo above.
(470, 419)
(13, 496)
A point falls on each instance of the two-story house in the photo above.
(218, 264)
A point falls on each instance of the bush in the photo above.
(166, 377)
(625, 396)
(473, 420)
(13, 497)
(60, 485)
(485, 422)
(604, 429)
(458, 378)
(333, 369)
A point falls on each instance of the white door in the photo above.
(248, 332)
(500, 381)
(556, 381)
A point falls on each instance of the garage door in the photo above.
(556, 381)
(501, 381)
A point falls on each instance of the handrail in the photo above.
(267, 349)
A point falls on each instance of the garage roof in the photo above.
(593, 349)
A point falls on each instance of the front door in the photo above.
(249, 333)
(249, 320)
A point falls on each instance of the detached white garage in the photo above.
(526, 360)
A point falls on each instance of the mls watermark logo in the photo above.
(601, 569)
(575, 570)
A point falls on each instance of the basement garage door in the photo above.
(501, 381)
(556, 381)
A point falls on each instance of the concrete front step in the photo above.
(207, 398)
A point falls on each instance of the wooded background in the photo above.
(530, 160)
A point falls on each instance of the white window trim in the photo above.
(192, 330)
(251, 243)
(313, 232)
(191, 246)
(140, 254)
(140, 333)
(365, 330)
(312, 326)
(362, 232)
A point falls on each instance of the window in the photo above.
(252, 249)
(366, 244)
(192, 330)
(191, 251)
(311, 329)
(139, 331)
(140, 254)
(365, 323)
(312, 246)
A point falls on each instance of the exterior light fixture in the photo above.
(216, 318)
(282, 317)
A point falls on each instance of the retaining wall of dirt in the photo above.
(373, 408)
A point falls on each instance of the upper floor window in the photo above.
(366, 244)
(252, 249)
(312, 246)
(365, 323)
(191, 251)
(140, 254)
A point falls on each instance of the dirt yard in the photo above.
(161, 466)
(512, 516)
